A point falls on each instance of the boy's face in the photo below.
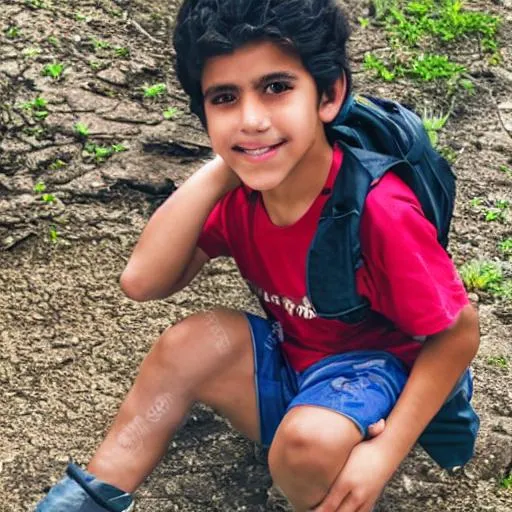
(263, 114)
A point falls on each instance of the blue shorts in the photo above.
(362, 386)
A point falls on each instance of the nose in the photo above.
(255, 117)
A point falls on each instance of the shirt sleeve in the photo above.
(213, 239)
(409, 278)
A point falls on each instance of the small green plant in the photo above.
(434, 124)
(53, 41)
(428, 67)
(82, 130)
(468, 86)
(506, 482)
(154, 91)
(40, 115)
(95, 65)
(505, 247)
(35, 4)
(37, 108)
(53, 70)
(498, 212)
(34, 131)
(481, 275)
(363, 22)
(506, 170)
(381, 8)
(48, 198)
(119, 148)
(82, 17)
(448, 153)
(476, 201)
(372, 62)
(57, 164)
(38, 103)
(499, 361)
(39, 187)
(98, 44)
(53, 234)
(31, 52)
(121, 52)
(171, 113)
(13, 32)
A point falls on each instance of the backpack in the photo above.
(376, 136)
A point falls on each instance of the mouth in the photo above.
(259, 151)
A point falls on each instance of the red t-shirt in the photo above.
(412, 285)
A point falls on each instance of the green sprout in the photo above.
(41, 115)
(499, 361)
(481, 275)
(48, 198)
(433, 124)
(506, 170)
(98, 44)
(39, 187)
(82, 17)
(101, 153)
(119, 148)
(476, 201)
(35, 4)
(53, 41)
(506, 482)
(154, 91)
(171, 113)
(505, 247)
(363, 22)
(81, 129)
(498, 212)
(57, 164)
(53, 70)
(121, 52)
(13, 32)
(372, 62)
(53, 234)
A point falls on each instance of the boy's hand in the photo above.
(361, 481)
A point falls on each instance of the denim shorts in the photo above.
(362, 386)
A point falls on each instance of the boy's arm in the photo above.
(166, 251)
(441, 362)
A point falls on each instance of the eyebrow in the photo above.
(270, 77)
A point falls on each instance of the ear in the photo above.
(331, 102)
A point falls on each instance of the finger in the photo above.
(349, 504)
(377, 428)
(337, 493)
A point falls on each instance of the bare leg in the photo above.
(309, 450)
(207, 357)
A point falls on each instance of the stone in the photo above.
(133, 113)
(113, 76)
(85, 101)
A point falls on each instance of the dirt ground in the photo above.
(71, 342)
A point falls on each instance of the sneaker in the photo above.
(80, 491)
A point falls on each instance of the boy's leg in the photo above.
(207, 357)
(310, 448)
(338, 400)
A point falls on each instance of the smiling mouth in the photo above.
(258, 151)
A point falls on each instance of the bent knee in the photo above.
(312, 441)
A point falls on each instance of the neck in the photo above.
(291, 199)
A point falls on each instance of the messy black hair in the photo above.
(316, 30)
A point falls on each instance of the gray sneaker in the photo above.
(80, 491)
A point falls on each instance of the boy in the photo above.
(265, 77)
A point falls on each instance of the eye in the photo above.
(277, 87)
(223, 99)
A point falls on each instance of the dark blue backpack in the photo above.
(376, 136)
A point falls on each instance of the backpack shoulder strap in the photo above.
(336, 251)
